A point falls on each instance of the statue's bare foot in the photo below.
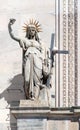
(31, 97)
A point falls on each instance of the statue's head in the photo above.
(32, 29)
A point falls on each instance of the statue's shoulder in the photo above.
(23, 39)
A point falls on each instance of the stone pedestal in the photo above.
(31, 115)
(36, 115)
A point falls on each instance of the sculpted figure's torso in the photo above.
(31, 46)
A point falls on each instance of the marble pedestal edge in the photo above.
(32, 112)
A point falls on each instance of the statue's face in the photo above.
(32, 31)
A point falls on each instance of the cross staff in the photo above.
(55, 51)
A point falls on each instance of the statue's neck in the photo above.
(31, 37)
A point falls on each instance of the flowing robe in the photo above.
(32, 65)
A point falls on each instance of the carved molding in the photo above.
(76, 49)
(64, 56)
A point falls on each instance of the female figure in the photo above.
(33, 58)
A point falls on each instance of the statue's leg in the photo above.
(37, 69)
(31, 87)
(27, 76)
(37, 74)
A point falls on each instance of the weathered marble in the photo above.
(35, 103)
(34, 117)
(32, 124)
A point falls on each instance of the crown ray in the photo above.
(25, 24)
(35, 22)
(32, 22)
(24, 28)
(39, 30)
(38, 25)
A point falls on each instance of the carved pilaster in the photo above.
(64, 56)
(67, 67)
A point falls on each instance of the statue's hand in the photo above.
(38, 46)
(12, 21)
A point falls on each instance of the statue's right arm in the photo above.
(10, 30)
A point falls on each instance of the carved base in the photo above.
(33, 115)
(30, 115)
(35, 103)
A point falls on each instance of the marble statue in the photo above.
(35, 59)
